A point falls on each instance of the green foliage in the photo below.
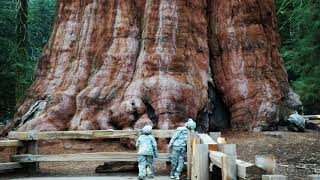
(299, 27)
(17, 62)
(41, 17)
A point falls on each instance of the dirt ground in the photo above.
(297, 154)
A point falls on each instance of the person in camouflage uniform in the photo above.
(178, 148)
(147, 152)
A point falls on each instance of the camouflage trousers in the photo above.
(177, 158)
(143, 163)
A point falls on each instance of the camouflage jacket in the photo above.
(179, 138)
(147, 145)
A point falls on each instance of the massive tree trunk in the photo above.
(121, 64)
(247, 65)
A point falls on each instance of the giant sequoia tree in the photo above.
(124, 63)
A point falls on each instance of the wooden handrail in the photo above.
(31, 159)
(312, 116)
(11, 143)
(96, 134)
(98, 156)
(10, 165)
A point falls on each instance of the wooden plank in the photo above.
(312, 116)
(215, 135)
(99, 156)
(10, 165)
(314, 177)
(206, 139)
(201, 162)
(315, 121)
(228, 149)
(228, 168)
(163, 133)
(246, 170)
(216, 157)
(11, 143)
(98, 134)
(266, 162)
(274, 177)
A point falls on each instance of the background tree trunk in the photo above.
(123, 64)
(22, 23)
(22, 46)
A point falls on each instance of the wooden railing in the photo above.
(315, 119)
(208, 154)
(205, 153)
(97, 156)
(28, 151)
(209, 150)
(10, 144)
(97, 134)
(311, 117)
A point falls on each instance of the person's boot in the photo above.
(172, 177)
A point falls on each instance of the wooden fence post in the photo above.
(229, 168)
(201, 162)
(32, 148)
(229, 165)
(195, 141)
(189, 153)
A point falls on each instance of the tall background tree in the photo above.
(299, 27)
(25, 27)
(22, 57)
(7, 60)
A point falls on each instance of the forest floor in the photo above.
(297, 154)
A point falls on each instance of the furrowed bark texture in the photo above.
(247, 65)
(122, 64)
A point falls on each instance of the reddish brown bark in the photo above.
(247, 65)
(123, 64)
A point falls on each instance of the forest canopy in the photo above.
(25, 27)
